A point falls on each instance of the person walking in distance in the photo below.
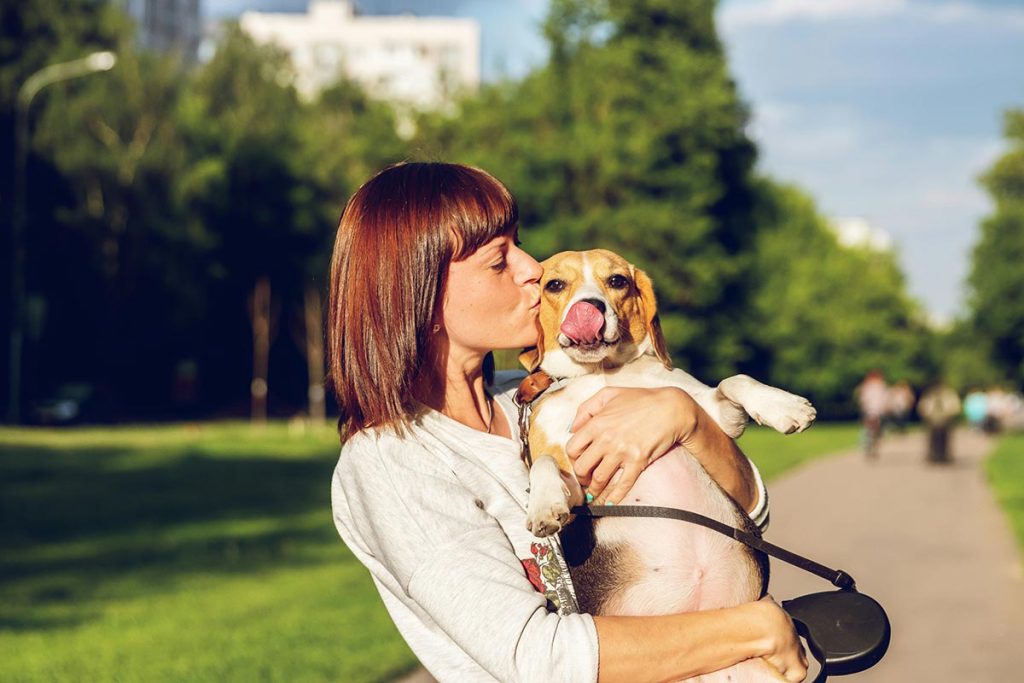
(872, 398)
(938, 407)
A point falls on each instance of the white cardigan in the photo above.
(439, 519)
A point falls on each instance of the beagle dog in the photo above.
(599, 327)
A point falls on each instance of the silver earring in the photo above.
(437, 328)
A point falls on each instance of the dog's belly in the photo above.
(647, 566)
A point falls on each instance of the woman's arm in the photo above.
(629, 428)
(677, 646)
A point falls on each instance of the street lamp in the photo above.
(97, 61)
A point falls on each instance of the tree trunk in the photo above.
(260, 316)
(315, 355)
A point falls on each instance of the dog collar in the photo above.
(530, 389)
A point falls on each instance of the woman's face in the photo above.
(492, 298)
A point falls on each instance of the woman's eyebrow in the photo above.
(495, 245)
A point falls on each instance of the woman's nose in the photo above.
(529, 269)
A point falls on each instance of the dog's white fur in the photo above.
(632, 360)
(644, 566)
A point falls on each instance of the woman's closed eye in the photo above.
(500, 266)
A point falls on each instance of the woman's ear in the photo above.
(649, 310)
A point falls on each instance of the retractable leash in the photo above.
(847, 632)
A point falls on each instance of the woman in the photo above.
(430, 493)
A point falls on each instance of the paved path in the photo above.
(928, 542)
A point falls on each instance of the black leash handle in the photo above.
(837, 577)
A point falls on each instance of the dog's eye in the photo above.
(554, 286)
(618, 282)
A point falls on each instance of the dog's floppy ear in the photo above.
(649, 310)
(531, 357)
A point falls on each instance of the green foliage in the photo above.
(826, 314)
(997, 279)
(630, 139)
(175, 190)
(44, 32)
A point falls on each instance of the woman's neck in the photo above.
(458, 391)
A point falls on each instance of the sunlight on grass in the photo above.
(182, 552)
(1005, 470)
(776, 453)
(204, 552)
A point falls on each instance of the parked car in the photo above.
(71, 403)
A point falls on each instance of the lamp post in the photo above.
(97, 61)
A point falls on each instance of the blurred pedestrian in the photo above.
(976, 408)
(1000, 408)
(900, 401)
(938, 407)
(872, 398)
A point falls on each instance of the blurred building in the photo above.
(421, 61)
(166, 25)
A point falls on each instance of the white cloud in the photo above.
(759, 13)
(855, 231)
(774, 12)
(922, 188)
(962, 12)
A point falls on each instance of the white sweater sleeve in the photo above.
(759, 514)
(419, 530)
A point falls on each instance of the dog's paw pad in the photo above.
(548, 521)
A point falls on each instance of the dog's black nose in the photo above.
(596, 303)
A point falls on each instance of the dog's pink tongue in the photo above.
(583, 323)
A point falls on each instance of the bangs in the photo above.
(478, 208)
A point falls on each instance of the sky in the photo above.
(882, 110)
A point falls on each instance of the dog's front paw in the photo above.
(784, 412)
(546, 518)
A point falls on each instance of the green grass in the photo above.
(1006, 473)
(776, 453)
(203, 553)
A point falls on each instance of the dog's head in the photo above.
(597, 310)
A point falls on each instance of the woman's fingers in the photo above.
(600, 478)
(620, 485)
(584, 458)
(592, 406)
(786, 653)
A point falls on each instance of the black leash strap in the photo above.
(837, 577)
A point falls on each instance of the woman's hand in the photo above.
(782, 647)
(621, 430)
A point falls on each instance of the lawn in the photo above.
(203, 553)
(1006, 473)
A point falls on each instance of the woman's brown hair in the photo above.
(397, 235)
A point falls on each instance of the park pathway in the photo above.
(928, 542)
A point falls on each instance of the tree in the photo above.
(117, 237)
(632, 139)
(270, 175)
(996, 280)
(35, 35)
(826, 314)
